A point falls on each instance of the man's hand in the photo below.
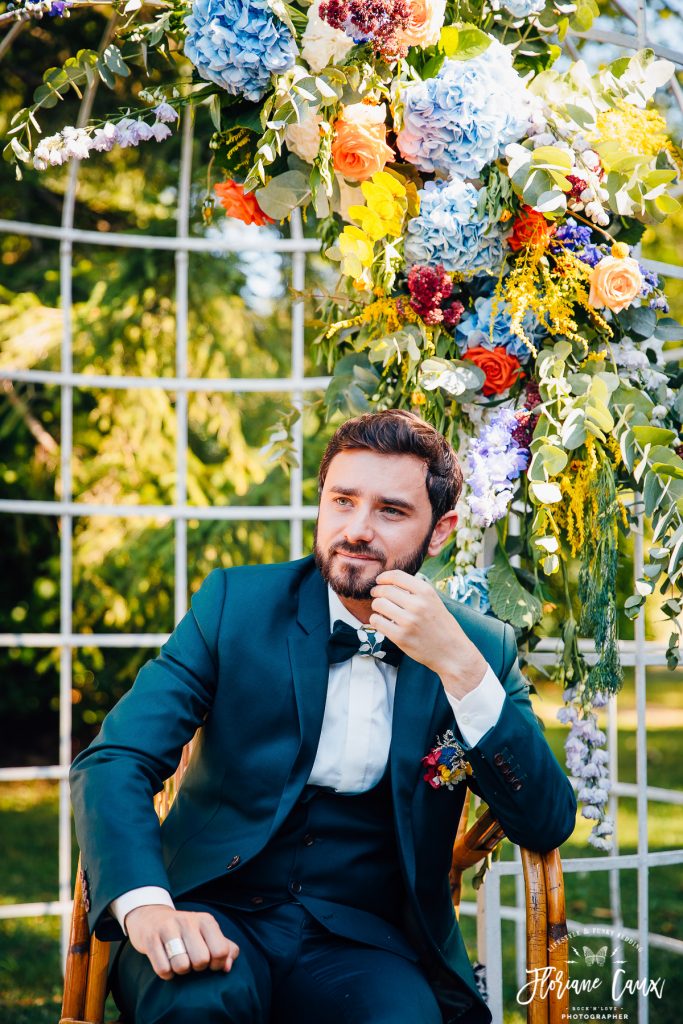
(410, 612)
(151, 926)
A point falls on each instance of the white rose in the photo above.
(303, 139)
(321, 44)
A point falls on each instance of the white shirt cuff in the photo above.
(145, 896)
(479, 709)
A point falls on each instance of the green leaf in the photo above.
(653, 435)
(463, 42)
(283, 194)
(511, 601)
(115, 62)
(667, 204)
(668, 329)
(215, 111)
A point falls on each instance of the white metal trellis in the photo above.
(638, 653)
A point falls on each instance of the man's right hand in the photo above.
(151, 926)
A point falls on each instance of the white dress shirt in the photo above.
(356, 732)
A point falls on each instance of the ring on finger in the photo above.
(175, 947)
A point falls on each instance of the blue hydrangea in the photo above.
(523, 8)
(471, 588)
(238, 44)
(462, 119)
(475, 329)
(449, 231)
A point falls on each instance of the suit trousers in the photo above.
(291, 970)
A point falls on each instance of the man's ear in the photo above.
(442, 531)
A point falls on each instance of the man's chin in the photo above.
(355, 582)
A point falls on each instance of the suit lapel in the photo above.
(307, 643)
(419, 704)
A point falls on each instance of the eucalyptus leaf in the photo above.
(283, 194)
(511, 601)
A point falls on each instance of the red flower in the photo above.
(501, 368)
(530, 228)
(240, 204)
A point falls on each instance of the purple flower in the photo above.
(494, 461)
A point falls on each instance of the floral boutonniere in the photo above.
(445, 763)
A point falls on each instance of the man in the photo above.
(301, 876)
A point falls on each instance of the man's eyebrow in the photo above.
(353, 492)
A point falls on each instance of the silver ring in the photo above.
(175, 947)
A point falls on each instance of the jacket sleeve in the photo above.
(114, 780)
(516, 772)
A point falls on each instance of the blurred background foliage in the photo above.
(124, 440)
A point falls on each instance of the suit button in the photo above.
(308, 839)
(507, 771)
(498, 759)
(234, 862)
(516, 784)
(257, 900)
(296, 887)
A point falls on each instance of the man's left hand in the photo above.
(409, 612)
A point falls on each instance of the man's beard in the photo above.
(348, 581)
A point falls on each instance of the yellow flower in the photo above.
(357, 251)
(639, 132)
(385, 209)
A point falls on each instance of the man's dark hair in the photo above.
(399, 432)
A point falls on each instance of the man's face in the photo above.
(374, 514)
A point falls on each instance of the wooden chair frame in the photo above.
(85, 979)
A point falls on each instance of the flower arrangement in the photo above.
(483, 212)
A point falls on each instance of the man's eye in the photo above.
(396, 510)
(337, 500)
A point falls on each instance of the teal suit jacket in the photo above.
(248, 662)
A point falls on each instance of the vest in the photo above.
(337, 856)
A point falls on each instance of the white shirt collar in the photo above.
(338, 611)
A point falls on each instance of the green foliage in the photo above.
(124, 439)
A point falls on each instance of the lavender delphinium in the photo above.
(494, 461)
(587, 762)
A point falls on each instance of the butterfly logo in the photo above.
(595, 958)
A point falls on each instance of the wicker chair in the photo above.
(85, 980)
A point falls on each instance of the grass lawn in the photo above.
(30, 977)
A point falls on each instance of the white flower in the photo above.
(49, 153)
(127, 132)
(321, 44)
(76, 142)
(144, 130)
(160, 131)
(165, 112)
(104, 139)
(303, 139)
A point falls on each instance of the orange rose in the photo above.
(615, 283)
(360, 148)
(530, 228)
(501, 368)
(240, 204)
(425, 21)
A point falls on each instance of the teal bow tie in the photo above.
(345, 641)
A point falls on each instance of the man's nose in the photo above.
(358, 526)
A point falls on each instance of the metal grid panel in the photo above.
(638, 653)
